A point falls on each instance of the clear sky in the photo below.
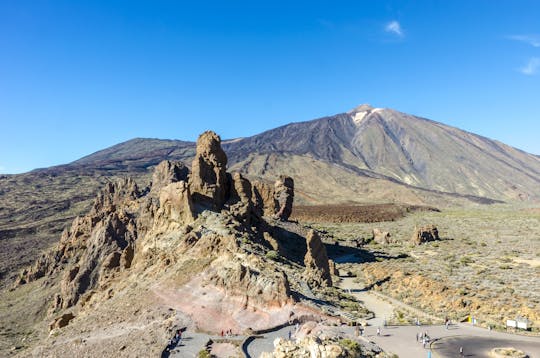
(79, 76)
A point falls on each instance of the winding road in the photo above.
(444, 343)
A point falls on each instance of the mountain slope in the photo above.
(384, 143)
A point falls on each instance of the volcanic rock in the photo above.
(333, 268)
(248, 281)
(263, 199)
(175, 204)
(425, 234)
(241, 197)
(208, 180)
(61, 321)
(168, 172)
(381, 237)
(317, 270)
(284, 196)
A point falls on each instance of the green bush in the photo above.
(272, 255)
(350, 345)
(203, 353)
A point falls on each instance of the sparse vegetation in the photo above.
(272, 255)
(483, 264)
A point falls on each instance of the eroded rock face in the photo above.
(95, 246)
(307, 347)
(381, 237)
(317, 270)
(425, 234)
(168, 172)
(175, 204)
(263, 199)
(241, 194)
(208, 180)
(61, 321)
(248, 281)
(333, 268)
(284, 196)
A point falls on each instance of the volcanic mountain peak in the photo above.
(361, 112)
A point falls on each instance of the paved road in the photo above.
(192, 343)
(401, 340)
(480, 346)
(266, 342)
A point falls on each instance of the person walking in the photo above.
(461, 351)
(417, 336)
(378, 331)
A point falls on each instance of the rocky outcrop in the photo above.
(168, 172)
(241, 196)
(309, 347)
(284, 196)
(425, 234)
(333, 268)
(61, 321)
(93, 247)
(381, 237)
(317, 272)
(263, 199)
(208, 180)
(207, 215)
(312, 346)
(175, 204)
(254, 282)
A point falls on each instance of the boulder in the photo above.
(425, 234)
(61, 321)
(381, 237)
(317, 271)
(208, 180)
(284, 196)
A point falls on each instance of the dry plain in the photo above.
(486, 265)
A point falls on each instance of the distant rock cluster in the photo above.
(425, 234)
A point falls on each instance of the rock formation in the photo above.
(284, 196)
(317, 272)
(168, 172)
(241, 196)
(425, 234)
(176, 203)
(61, 321)
(333, 268)
(263, 199)
(128, 231)
(381, 237)
(249, 282)
(208, 180)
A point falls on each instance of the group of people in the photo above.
(174, 341)
(227, 333)
(423, 337)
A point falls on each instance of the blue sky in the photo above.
(79, 76)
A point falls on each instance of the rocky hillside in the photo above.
(199, 235)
